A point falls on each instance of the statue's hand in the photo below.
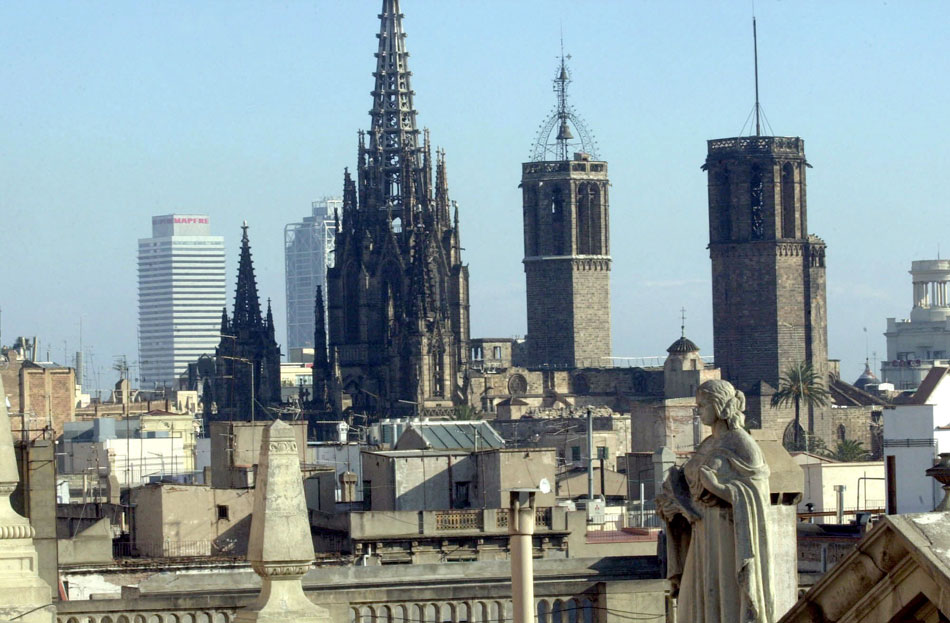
(711, 482)
(668, 507)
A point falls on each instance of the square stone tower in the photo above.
(566, 242)
(768, 273)
(567, 262)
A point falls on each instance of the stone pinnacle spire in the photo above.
(23, 595)
(393, 136)
(280, 548)
(321, 364)
(247, 306)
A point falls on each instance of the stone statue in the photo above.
(716, 512)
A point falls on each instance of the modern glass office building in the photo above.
(308, 252)
(181, 294)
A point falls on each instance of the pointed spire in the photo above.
(321, 364)
(319, 334)
(247, 307)
(269, 322)
(225, 325)
(441, 186)
(350, 215)
(393, 115)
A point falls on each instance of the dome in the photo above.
(867, 378)
(682, 346)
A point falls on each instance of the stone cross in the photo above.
(280, 548)
(23, 595)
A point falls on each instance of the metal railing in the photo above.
(458, 520)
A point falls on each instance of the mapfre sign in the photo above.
(180, 220)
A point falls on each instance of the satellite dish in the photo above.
(544, 486)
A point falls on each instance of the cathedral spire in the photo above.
(269, 321)
(321, 364)
(393, 131)
(247, 307)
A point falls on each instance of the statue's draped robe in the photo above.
(724, 558)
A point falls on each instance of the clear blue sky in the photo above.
(116, 111)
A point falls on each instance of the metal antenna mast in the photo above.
(755, 51)
(560, 88)
(564, 141)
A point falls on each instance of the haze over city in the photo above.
(249, 111)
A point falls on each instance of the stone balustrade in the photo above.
(581, 590)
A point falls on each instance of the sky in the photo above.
(113, 112)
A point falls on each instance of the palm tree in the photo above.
(850, 450)
(800, 384)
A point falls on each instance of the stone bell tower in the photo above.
(768, 273)
(566, 243)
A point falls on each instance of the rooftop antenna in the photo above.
(560, 87)
(755, 51)
(555, 138)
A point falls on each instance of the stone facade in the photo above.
(45, 393)
(567, 262)
(768, 273)
(398, 291)
(174, 521)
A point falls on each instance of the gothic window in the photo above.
(556, 203)
(438, 385)
(351, 294)
(756, 197)
(581, 386)
(788, 201)
(531, 230)
(722, 204)
(596, 221)
(588, 220)
(389, 310)
(583, 219)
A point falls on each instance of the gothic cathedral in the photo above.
(398, 307)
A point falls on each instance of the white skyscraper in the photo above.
(308, 252)
(181, 295)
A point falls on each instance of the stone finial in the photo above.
(23, 595)
(280, 548)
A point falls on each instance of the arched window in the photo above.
(543, 611)
(723, 205)
(596, 221)
(438, 385)
(584, 229)
(556, 205)
(351, 296)
(756, 198)
(532, 231)
(788, 201)
(842, 433)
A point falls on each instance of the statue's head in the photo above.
(719, 400)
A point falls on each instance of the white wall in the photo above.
(133, 461)
(863, 482)
(907, 431)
